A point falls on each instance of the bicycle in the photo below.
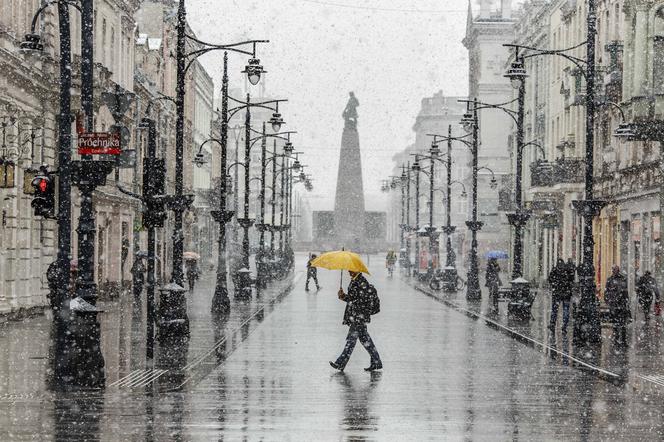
(436, 282)
(390, 269)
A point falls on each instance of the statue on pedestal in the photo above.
(350, 112)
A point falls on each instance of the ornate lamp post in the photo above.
(245, 222)
(178, 324)
(32, 42)
(586, 324)
(470, 124)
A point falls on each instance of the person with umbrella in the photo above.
(492, 280)
(361, 302)
(191, 261)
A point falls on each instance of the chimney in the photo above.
(506, 9)
(485, 9)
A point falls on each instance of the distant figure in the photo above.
(617, 298)
(53, 279)
(492, 280)
(192, 273)
(138, 276)
(361, 302)
(350, 112)
(646, 289)
(561, 292)
(312, 273)
(390, 261)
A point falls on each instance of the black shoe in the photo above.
(306, 289)
(336, 366)
(374, 367)
(318, 287)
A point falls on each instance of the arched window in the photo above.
(658, 52)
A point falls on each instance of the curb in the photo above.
(602, 373)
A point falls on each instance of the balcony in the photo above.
(560, 171)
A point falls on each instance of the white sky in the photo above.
(385, 51)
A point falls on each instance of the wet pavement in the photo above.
(639, 364)
(446, 377)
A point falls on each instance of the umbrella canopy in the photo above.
(498, 254)
(191, 255)
(340, 260)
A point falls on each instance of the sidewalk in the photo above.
(25, 345)
(639, 365)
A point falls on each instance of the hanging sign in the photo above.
(99, 143)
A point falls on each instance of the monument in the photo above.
(349, 198)
(349, 225)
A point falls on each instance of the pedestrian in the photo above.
(646, 289)
(192, 273)
(312, 273)
(390, 261)
(361, 302)
(492, 280)
(571, 273)
(617, 298)
(138, 275)
(53, 280)
(561, 281)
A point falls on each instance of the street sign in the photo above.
(99, 143)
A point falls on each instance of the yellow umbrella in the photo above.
(340, 260)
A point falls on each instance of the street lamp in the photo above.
(587, 327)
(470, 124)
(180, 202)
(431, 230)
(88, 333)
(245, 222)
(450, 276)
(254, 70)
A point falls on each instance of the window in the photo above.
(111, 65)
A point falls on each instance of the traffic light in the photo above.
(44, 197)
(154, 187)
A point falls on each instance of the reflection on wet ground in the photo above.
(446, 377)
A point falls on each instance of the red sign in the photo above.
(99, 143)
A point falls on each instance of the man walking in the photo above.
(646, 289)
(617, 298)
(361, 301)
(312, 272)
(561, 281)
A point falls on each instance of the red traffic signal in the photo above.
(44, 198)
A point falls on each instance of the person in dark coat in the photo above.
(312, 273)
(616, 296)
(192, 273)
(138, 275)
(356, 317)
(492, 280)
(646, 289)
(561, 281)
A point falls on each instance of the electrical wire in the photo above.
(370, 8)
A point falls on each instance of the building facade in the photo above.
(132, 45)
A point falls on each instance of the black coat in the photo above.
(617, 296)
(492, 276)
(561, 283)
(646, 287)
(356, 300)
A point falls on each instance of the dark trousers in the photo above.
(620, 318)
(314, 276)
(138, 289)
(554, 312)
(355, 332)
